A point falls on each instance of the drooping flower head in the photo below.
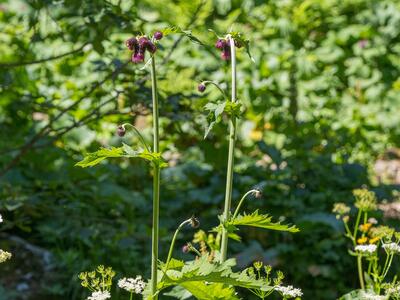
(140, 44)
(224, 44)
(201, 87)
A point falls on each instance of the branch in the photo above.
(34, 62)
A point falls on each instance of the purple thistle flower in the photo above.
(226, 53)
(151, 47)
(131, 43)
(121, 130)
(158, 35)
(201, 87)
(138, 57)
(220, 44)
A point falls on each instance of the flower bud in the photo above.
(201, 87)
(158, 35)
(138, 57)
(143, 42)
(185, 248)
(121, 130)
(220, 44)
(258, 194)
(151, 47)
(131, 43)
(226, 54)
(238, 44)
(194, 222)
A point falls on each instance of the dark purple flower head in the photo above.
(151, 47)
(185, 248)
(143, 41)
(138, 57)
(131, 43)
(121, 130)
(220, 44)
(201, 87)
(226, 54)
(238, 44)
(158, 35)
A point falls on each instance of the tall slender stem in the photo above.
(241, 202)
(360, 271)
(171, 248)
(232, 139)
(156, 183)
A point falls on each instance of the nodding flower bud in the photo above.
(194, 222)
(257, 194)
(121, 130)
(151, 47)
(220, 44)
(138, 57)
(238, 44)
(143, 42)
(185, 248)
(131, 43)
(226, 54)
(201, 87)
(158, 35)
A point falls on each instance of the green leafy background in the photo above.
(320, 105)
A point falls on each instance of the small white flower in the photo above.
(370, 296)
(1, 219)
(4, 255)
(391, 248)
(99, 295)
(366, 248)
(289, 291)
(132, 285)
(372, 221)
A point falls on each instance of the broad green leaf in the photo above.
(94, 158)
(213, 291)
(256, 220)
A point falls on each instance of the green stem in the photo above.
(360, 271)
(217, 86)
(131, 297)
(232, 138)
(241, 201)
(156, 183)
(171, 248)
(139, 135)
(356, 225)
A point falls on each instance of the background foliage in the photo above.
(321, 107)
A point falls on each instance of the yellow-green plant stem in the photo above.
(156, 184)
(171, 247)
(241, 202)
(360, 271)
(232, 139)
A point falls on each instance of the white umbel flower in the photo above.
(4, 255)
(366, 248)
(289, 291)
(371, 296)
(132, 285)
(99, 295)
(391, 248)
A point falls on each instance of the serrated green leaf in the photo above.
(261, 221)
(92, 159)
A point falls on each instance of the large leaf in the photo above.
(94, 158)
(262, 221)
(192, 276)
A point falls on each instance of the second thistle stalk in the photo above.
(232, 139)
(156, 182)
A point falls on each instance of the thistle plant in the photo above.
(374, 246)
(210, 273)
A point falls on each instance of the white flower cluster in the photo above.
(370, 296)
(99, 295)
(393, 291)
(366, 248)
(289, 291)
(391, 248)
(4, 255)
(132, 285)
(1, 219)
